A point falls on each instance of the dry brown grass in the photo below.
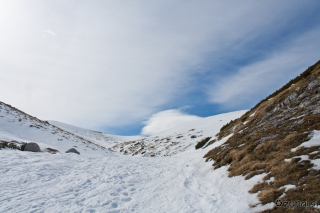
(269, 195)
(10, 145)
(203, 142)
(266, 140)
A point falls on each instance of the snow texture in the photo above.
(20, 127)
(36, 182)
(99, 180)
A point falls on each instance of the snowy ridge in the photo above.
(176, 140)
(21, 127)
(103, 139)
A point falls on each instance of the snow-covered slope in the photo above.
(178, 139)
(103, 181)
(103, 139)
(42, 182)
(18, 126)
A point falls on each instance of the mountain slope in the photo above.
(20, 127)
(270, 139)
(178, 139)
(113, 182)
(103, 139)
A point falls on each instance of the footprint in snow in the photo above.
(106, 203)
(126, 199)
(132, 189)
(114, 205)
(113, 194)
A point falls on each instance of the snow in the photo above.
(316, 163)
(179, 139)
(303, 157)
(209, 125)
(17, 126)
(99, 180)
(103, 139)
(252, 114)
(314, 141)
(261, 208)
(287, 187)
(270, 180)
(36, 182)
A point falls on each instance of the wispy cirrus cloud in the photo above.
(116, 63)
(262, 77)
(50, 32)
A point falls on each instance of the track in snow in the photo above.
(42, 182)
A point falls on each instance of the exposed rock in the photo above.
(315, 97)
(276, 108)
(302, 95)
(313, 85)
(290, 99)
(32, 147)
(316, 110)
(305, 104)
(53, 151)
(73, 150)
(271, 137)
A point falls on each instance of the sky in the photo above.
(124, 66)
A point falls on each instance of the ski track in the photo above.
(43, 182)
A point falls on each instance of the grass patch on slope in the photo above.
(261, 144)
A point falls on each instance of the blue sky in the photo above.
(114, 66)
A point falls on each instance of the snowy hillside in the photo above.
(116, 183)
(178, 139)
(20, 127)
(103, 139)
(165, 143)
(103, 181)
(278, 137)
(99, 180)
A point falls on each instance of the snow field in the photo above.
(43, 182)
(102, 181)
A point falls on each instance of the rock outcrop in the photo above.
(73, 150)
(32, 147)
(52, 151)
(262, 140)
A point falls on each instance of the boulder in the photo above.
(32, 147)
(73, 150)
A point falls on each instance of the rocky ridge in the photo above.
(264, 140)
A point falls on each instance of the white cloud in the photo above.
(50, 32)
(166, 120)
(272, 72)
(116, 62)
